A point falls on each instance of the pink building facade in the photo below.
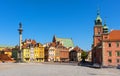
(111, 49)
(106, 45)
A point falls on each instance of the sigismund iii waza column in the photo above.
(20, 43)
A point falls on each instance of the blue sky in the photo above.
(42, 19)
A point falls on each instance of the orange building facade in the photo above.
(63, 53)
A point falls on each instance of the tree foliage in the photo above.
(84, 55)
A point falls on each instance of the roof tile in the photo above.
(114, 35)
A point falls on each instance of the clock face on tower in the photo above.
(98, 33)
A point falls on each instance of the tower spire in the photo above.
(105, 20)
(98, 12)
(98, 20)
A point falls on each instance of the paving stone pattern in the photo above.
(39, 69)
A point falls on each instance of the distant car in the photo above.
(96, 65)
(118, 67)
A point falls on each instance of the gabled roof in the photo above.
(67, 42)
(77, 49)
(30, 41)
(27, 43)
(61, 48)
(53, 44)
(114, 35)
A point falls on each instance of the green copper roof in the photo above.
(105, 27)
(98, 18)
(66, 42)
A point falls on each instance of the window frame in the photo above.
(110, 60)
(118, 60)
(117, 44)
(118, 53)
(109, 44)
(110, 53)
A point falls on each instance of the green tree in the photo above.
(84, 56)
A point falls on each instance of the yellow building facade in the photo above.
(26, 55)
(37, 54)
(41, 53)
(34, 54)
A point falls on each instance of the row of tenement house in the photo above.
(106, 45)
(59, 50)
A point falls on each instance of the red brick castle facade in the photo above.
(106, 45)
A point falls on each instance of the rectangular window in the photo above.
(117, 44)
(118, 60)
(27, 55)
(109, 44)
(109, 53)
(117, 53)
(109, 60)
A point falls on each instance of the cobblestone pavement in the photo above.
(39, 69)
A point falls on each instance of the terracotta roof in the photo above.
(114, 35)
(77, 49)
(24, 46)
(53, 44)
(30, 41)
(5, 57)
(7, 50)
(27, 43)
(33, 42)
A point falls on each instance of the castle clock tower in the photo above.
(98, 30)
